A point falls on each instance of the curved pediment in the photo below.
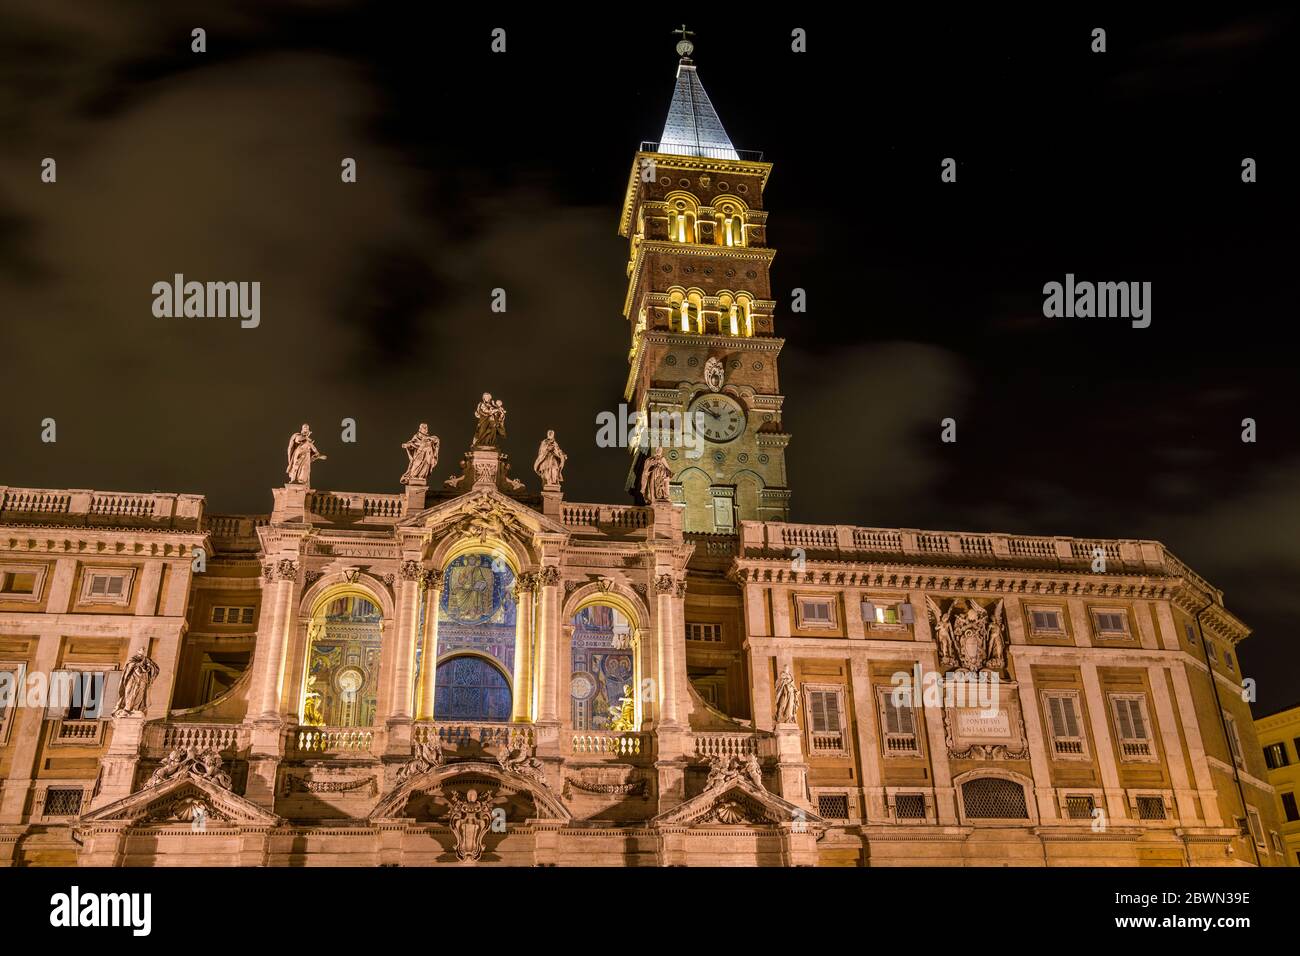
(416, 795)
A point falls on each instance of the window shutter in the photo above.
(818, 711)
(1056, 709)
(1122, 720)
(869, 612)
(58, 695)
(832, 711)
(889, 713)
(905, 613)
(1139, 724)
(1071, 718)
(905, 720)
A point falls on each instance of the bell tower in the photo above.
(699, 307)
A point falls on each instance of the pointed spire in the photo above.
(693, 127)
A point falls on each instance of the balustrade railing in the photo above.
(334, 740)
(609, 742)
(596, 516)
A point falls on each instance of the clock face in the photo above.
(718, 417)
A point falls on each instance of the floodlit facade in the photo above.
(1279, 736)
(476, 670)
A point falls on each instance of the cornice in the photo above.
(694, 163)
(766, 344)
(764, 254)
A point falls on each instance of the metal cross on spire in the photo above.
(684, 46)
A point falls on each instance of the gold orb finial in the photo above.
(684, 46)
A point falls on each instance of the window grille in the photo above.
(1080, 806)
(63, 801)
(909, 806)
(1150, 808)
(992, 798)
(833, 806)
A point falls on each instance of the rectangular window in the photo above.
(1289, 808)
(1112, 623)
(21, 582)
(1234, 741)
(1066, 724)
(881, 614)
(1277, 842)
(707, 633)
(833, 806)
(1047, 621)
(232, 615)
(1132, 726)
(909, 806)
(898, 726)
(815, 612)
(63, 801)
(825, 723)
(106, 586)
(1256, 827)
(81, 695)
(1211, 652)
(1190, 631)
(1275, 756)
(1150, 808)
(1080, 806)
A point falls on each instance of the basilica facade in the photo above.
(477, 670)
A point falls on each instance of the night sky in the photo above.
(481, 170)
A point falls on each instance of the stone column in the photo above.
(408, 632)
(670, 660)
(1175, 753)
(265, 704)
(1116, 804)
(549, 638)
(273, 645)
(522, 699)
(429, 647)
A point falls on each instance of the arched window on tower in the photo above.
(682, 218)
(743, 317)
(693, 314)
(731, 226)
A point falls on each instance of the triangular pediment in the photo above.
(739, 803)
(179, 801)
(478, 510)
(477, 773)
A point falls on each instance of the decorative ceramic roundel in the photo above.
(719, 417)
(582, 686)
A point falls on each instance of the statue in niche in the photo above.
(422, 456)
(549, 465)
(623, 717)
(138, 674)
(491, 422)
(787, 698)
(714, 374)
(655, 476)
(470, 818)
(302, 452)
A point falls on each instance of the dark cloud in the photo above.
(480, 172)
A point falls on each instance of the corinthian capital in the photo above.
(410, 570)
(549, 576)
(431, 579)
(664, 584)
(286, 570)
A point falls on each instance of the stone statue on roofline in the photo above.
(302, 452)
(549, 465)
(422, 456)
(490, 416)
